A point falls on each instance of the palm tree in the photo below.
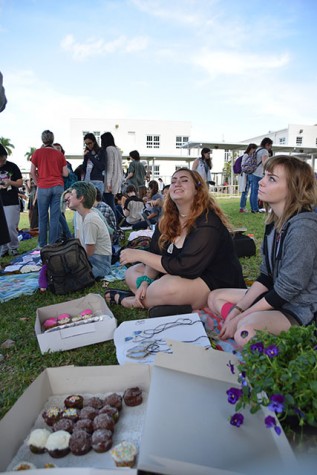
(7, 145)
(29, 154)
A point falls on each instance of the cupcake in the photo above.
(50, 465)
(133, 396)
(77, 318)
(63, 319)
(84, 424)
(114, 400)
(95, 402)
(74, 400)
(87, 313)
(49, 323)
(124, 454)
(80, 442)
(57, 444)
(71, 413)
(37, 440)
(88, 412)
(103, 421)
(24, 466)
(64, 424)
(101, 440)
(111, 411)
(52, 415)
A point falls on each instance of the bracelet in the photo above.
(143, 278)
(238, 308)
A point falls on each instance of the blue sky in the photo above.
(234, 68)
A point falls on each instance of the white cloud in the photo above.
(99, 47)
(234, 63)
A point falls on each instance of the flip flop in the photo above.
(122, 295)
(169, 310)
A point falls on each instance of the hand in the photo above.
(140, 293)
(228, 328)
(6, 182)
(129, 256)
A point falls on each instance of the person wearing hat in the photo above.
(10, 182)
(48, 169)
(203, 165)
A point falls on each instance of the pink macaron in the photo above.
(63, 319)
(50, 323)
(86, 313)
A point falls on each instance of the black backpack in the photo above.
(68, 267)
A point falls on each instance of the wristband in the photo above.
(143, 278)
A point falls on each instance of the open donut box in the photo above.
(186, 426)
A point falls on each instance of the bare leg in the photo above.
(271, 320)
(168, 290)
(217, 298)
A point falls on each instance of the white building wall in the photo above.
(294, 135)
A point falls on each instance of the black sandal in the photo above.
(122, 295)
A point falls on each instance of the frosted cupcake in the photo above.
(37, 440)
(63, 319)
(24, 466)
(87, 313)
(124, 454)
(57, 444)
(49, 323)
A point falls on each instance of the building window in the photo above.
(282, 141)
(156, 171)
(299, 140)
(97, 135)
(152, 141)
(227, 156)
(181, 140)
(178, 167)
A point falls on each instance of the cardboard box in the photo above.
(18, 422)
(187, 429)
(76, 336)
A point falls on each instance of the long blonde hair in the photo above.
(169, 224)
(302, 188)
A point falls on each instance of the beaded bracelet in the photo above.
(143, 278)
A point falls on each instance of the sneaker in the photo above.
(243, 210)
(262, 210)
(252, 211)
(13, 252)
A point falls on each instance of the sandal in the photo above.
(112, 294)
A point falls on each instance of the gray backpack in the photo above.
(250, 164)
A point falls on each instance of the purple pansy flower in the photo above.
(242, 378)
(237, 419)
(234, 395)
(271, 351)
(270, 423)
(257, 347)
(276, 403)
(231, 367)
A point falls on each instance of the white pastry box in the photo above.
(86, 333)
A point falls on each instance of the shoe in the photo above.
(252, 211)
(111, 294)
(262, 210)
(169, 310)
(13, 252)
(243, 210)
(6, 253)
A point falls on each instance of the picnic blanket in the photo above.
(25, 263)
(13, 286)
(213, 325)
(117, 273)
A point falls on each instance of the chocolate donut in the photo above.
(101, 440)
(80, 442)
(103, 421)
(111, 411)
(64, 424)
(75, 401)
(133, 396)
(95, 402)
(88, 412)
(114, 400)
(84, 424)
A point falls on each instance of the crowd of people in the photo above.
(191, 260)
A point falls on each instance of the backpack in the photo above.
(237, 165)
(250, 164)
(68, 267)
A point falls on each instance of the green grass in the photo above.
(23, 362)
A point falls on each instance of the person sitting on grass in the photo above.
(191, 252)
(285, 293)
(95, 235)
(133, 206)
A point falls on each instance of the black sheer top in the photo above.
(207, 252)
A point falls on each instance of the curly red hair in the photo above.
(169, 224)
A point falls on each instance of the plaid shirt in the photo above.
(109, 216)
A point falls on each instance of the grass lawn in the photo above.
(23, 362)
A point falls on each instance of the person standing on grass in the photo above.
(113, 171)
(136, 172)
(10, 182)
(203, 165)
(47, 169)
(243, 179)
(285, 293)
(262, 154)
